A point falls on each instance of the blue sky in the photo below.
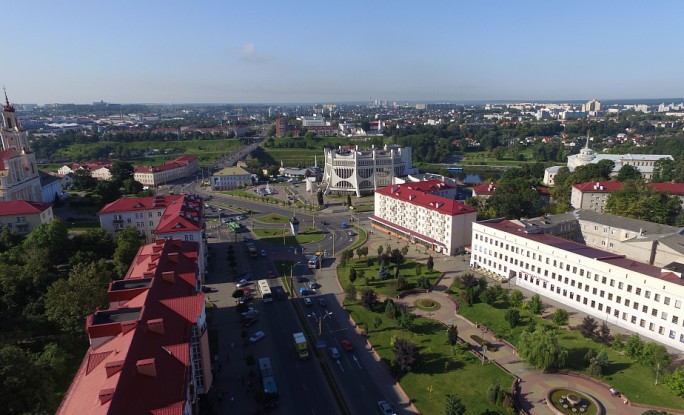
(219, 51)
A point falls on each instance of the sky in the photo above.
(221, 51)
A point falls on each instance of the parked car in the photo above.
(322, 302)
(246, 298)
(263, 252)
(346, 345)
(308, 302)
(242, 283)
(249, 321)
(313, 285)
(350, 233)
(334, 353)
(257, 336)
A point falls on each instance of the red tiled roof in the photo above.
(132, 204)
(673, 188)
(598, 187)
(168, 165)
(22, 207)
(484, 189)
(144, 370)
(410, 195)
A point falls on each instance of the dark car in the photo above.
(249, 321)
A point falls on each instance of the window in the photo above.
(617, 299)
(651, 326)
(644, 309)
(633, 320)
(602, 294)
(647, 294)
(620, 285)
(675, 319)
(594, 291)
(642, 323)
(654, 312)
(678, 304)
(636, 306)
(603, 280)
(626, 303)
(666, 300)
(681, 338)
(629, 288)
(610, 296)
(638, 291)
(663, 316)
(616, 313)
(673, 334)
(612, 283)
(593, 304)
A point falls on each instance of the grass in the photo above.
(410, 269)
(283, 237)
(441, 372)
(272, 218)
(632, 379)
(427, 305)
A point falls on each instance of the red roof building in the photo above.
(594, 195)
(22, 217)
(155, 217)
(149, 352)
(169, 171)
(419, 213)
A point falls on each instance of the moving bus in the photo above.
(234, 226)
(265, 291)
(268, 382)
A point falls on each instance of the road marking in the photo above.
(357, 361)
(340, 365)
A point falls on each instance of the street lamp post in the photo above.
(320, 323)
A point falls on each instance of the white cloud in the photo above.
(249, 53)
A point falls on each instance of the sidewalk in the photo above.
(534, 384)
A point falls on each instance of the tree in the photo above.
(68, 302)
(628, 172)
(536, 305)
(369, 299)
(380, 249)
(603, 335)
(454, 406)
(423, 282)
(319, 197)
(406, 319)
(238, 294)
(132, 186)
(127, 244)
(656, 357)
(349, 201)
(452, 335)
(404, 250)
(430, 263)
(351, 292)
(391, 310)
(407, 355)
(512, 317)
(83, 180)
(516, 298)
(598, 362)
(561, 317)
(588, 327)
(108, 191)
(634, 346)
(24, 384)
(51, 237)
(396, 256)
(121, 171)
(362, 252)
(655, 412)
(352, 275)
(382, 271)
(493, 392)
(541, 349)
(676, 381)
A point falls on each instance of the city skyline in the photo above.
(158, 52)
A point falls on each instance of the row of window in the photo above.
(633, 319)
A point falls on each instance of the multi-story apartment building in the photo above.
(155, 217)
(230, 178)
(149, 352)
(594, 195)
(349, 170)
(169, 171)
(99, 169)
(420, 212)
(18, 171)
(22, 217)
(636, 296)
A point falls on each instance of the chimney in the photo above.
(146, 367)
(112, 368)
(157, 248)
(173, 257)
(148, 274)
(106, 395)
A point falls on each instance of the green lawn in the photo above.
(275, 236)
(272, 218)
(633, 379)
(410, 269)
(441, 372)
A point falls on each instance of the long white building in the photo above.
(636, 296)
(349, 170)
(420, 212)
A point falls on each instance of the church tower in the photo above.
(19, 176)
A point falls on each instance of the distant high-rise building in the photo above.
(281, 126)
(592, 106)
(19, 176)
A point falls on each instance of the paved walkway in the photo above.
(534, 384)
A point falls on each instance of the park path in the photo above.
(533, 383)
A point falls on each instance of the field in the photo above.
(284, 237)
(442, 370)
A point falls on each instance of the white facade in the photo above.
(350, 170)
(420, 213)
(230, 178)
(639, 297)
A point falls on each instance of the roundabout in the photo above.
(427, 304)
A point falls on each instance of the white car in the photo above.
(242, 283)
(257, 336)
(334, 353)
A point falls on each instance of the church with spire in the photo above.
(645, 163)
(19, 175)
